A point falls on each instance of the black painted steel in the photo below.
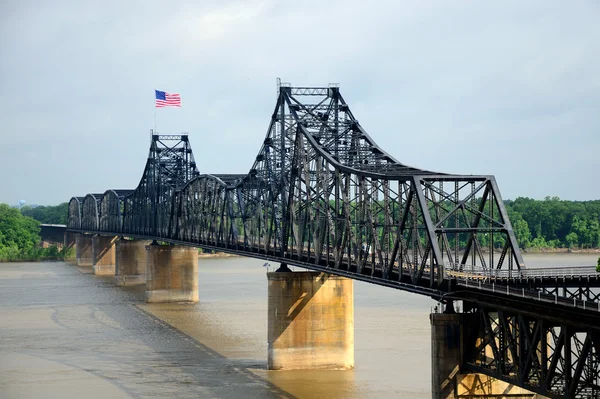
(556, 358)
(53, 233)
(321, 192)
(323, 195)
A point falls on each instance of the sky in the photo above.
(507, 88)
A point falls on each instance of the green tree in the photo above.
(19, 235)
(48, 214)
(594, 232)
(572, 239)
(580, 227)
(598, 266)
(522, 233)
(553, 219)
(539, 242)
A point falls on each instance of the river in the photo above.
(67, 333)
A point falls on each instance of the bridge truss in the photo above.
(556, 357)
(320, 193)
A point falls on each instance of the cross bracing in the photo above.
(323, 195)
(320, 192)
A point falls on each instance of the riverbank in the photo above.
(36, 254)
(561, 250)
(216, 255)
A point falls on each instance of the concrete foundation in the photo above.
(447, 348)
(310, 321)
(69, 248)
(131, 258)
(104, 255)
(171, 273)
(83, 250)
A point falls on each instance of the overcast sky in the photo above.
(509, 88)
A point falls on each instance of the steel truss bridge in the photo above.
(324, 196)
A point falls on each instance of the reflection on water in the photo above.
(63, 332)
(560, 259)
(391, 333)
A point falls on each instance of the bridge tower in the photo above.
(322, 195)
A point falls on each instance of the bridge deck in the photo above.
(474, 285)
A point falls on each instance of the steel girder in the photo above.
(111, 210)
(74, 219)
(203, 211)
(170, 166)
(320, 192)
(572, 287)
(584, 292)
(555, 359)
(90, 219)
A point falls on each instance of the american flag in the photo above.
(164, 99)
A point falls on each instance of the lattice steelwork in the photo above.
(320, 192)
(90, 219)
(74, 220)
(323, 195)
(111, 209)
(149, 209)
(584, 292)
(552, 358)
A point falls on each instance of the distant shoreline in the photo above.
(561, 251)
(217, 255)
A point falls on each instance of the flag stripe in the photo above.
(164, 99)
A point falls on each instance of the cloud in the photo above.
(506, 88)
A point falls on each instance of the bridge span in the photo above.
(322, 195)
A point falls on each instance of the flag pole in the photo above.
(155, 111)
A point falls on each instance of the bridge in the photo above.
(322, 195)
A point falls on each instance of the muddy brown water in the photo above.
(65, 333)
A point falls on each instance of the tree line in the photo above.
(555, 223)
(538, 224)
(548, 223)
(20, 238)
(48, 214)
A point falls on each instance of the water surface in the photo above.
(67, 333)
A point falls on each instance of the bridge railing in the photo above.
(538, 295)
(487, 275)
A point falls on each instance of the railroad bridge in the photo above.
(322, 195)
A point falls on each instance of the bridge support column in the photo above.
(131, 260)
(171, 273)
(69, 248)
(447, 348)
(83, 250)
(104, 255)
(310, 321)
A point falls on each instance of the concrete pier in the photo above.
(83, 250)
(131, 258)
(447, 348)
(171, 273)
(104, 254)
(310, 321)
(69, 248)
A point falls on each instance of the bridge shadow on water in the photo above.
(204, 367)
(102, 331)
(184, 335)
(227, 374)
